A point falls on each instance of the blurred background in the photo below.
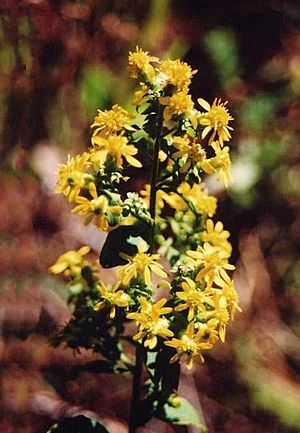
(60, 61)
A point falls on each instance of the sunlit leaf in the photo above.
(182, 413)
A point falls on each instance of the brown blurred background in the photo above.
(60, 61)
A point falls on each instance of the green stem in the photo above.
(136, 389)
(138, 369)
(154, 175)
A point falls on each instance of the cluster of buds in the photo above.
(169, 146)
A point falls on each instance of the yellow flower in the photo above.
(194, 299)
(195, 197)
(177, 73)
(192, 153)
(216, 235)
(189, 345)
(140, 267)
(139, 63)
(139, 94)
(220, 312)
(111, 121)
(73, 176)
(212, 260)
(221, 163)
(97, 208)
(198, 197)
(151, 325)
(145, 193)
(71, 263)
(178, 104)
(115, 147)
(228, 290)
(175, 201)
(216, 119)
(112, 297)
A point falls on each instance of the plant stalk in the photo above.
(138, 369)
(154, 175)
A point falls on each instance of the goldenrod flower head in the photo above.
(151, 325)
(198, 196)
(194, 299)
(212, 261)
(178, 104)
(192, 153)
(73, 176)
(112, 296)
(228, 290)
(221, 163)
(175, 201)
(189, 345)
(216, 120)
(220, 312)
(195, 196)
(96, 208)
(111, 121)
(114, 147)
(140, 267)
(216, 235)
(140, 64)
(71, 263)
(177, 73)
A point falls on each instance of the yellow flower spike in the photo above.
(189, 346)
(73, 176)
(71, 263)
(150, 324)
(140, 267)
(140, 62)
(112, 297)
(216, 120)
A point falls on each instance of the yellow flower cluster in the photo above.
(188, 146)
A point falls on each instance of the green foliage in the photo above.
(258, 111)
(222, 47)
(179, 411)
(95, 87)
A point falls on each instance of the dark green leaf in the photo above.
(117, 242)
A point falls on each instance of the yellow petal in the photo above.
(204, 104)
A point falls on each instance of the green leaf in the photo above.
(181, 412)
(117, 242)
